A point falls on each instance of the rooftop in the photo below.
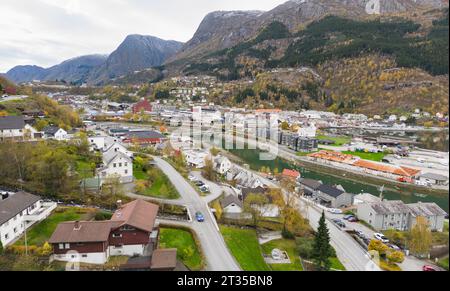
(330, 190)
(15, 204)
(11, 122)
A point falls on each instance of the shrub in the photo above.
(102, 216)
(305, 247)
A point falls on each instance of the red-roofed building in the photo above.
(130, 232)
(291, 174)
(142, 105)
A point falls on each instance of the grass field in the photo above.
(183, 241)
(243, 244)
(40, 233)
(336, 264)
(85, 169)
(443, 263)
(377, 157)
(338, 141)
(285, 245)
(161, 187)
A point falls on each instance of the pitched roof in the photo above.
(400, 171)
(310, 183)
(89, 231)
(51, 130)
(426, 209)
(390, 207)
(330, 190)
(291, 173)
(230, 199)
(139, 214)
(164, 259)
(11, 122)
(15, 204)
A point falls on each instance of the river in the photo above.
(251, 157)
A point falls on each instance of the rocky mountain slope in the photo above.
(137, 52)
(221, 30)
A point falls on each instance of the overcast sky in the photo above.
(47, 32)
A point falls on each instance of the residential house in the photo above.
(222, 165)
(231, 204)
(19, 212)
(244, 178)
(385, 215)
(116, 148)
(14, 127)
(196, 158)
(309, 187)
(54, 132)
(291, 174)
(117, 164)
(365, 198)
(102, 143)
(306, 144)
(132, 231)
(430, 211)
(334, 197)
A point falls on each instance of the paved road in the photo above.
(217, 255)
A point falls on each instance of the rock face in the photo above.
(136, 53)
(222, 29)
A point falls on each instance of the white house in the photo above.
(196, 158)
(117, 164)
(14, 127)
(232, 205)
(102, 143)
(117, 147)
(222, 165)
(54, 132)
(18, 212)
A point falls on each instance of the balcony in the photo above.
(42, 213)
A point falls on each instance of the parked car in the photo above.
(335, 211)
(381, 237)
(199, 216)
(429, 268)
(339, 223)
(192, 178)
(204, 189)
(360, 233)
(394, 247)
(353, 219)
(199, 183)
(347, 217)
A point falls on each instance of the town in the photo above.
(311, 137)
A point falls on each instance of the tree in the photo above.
(379, 247)
(1, 248)
(322, 250)
(421, 237)
(396, 257)
(208, 170)
(112, 188)
(255, 205)
(285, 125)
(46, 249)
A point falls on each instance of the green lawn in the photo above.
(377, 157)
(183, 241)
(243, 244)
(443, 263)
(336, 264)
(85, 169)
(338, 141)
(40, 233)
(285, 245)
(161, 187)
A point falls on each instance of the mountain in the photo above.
(75, 70)
(136, 53)
(21, 74)
(221, 29)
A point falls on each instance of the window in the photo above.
(120, 165)
(126, 164)
(15, 229)
(84, 256)
(115, 165)
(6, 236)
(126, 172)
(61, 246)
(67, 246)
(115, 235)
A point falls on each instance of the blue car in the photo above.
(199, 216)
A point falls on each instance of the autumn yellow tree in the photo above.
(421, 237)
